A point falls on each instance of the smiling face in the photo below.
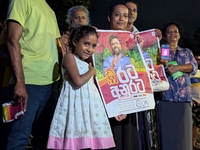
(132, 12)
(79, 18)
(172, 35)
(119, 18)
(116, 46)
(86, 46)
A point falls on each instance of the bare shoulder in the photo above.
(68, 59)
(68, 56)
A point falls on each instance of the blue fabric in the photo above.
(179, 90)
(195, 80)
(146, 55)
(122, 62)
(21, 128)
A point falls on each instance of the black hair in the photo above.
(184, 40)
(113, 7)
(78, 33)
(3, 11)
(169, 24)
(132, 2)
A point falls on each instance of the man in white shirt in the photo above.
(132, 16)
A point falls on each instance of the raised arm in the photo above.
(70, 64)
(14, 34)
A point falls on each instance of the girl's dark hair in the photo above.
(113, 7)
(169, 24)
(78, 33)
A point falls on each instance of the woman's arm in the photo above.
(189, 66)
(183, 68)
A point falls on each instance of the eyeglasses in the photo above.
(171, 32)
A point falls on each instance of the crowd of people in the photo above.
(48, 68)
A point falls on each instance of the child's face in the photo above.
(86, 46)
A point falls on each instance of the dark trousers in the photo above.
(20, 129)
(41, 128)
(5, 96)
(125, 133)
(174, 125)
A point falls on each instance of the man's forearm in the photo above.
(16, 60)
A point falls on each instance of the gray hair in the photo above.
(73, 9)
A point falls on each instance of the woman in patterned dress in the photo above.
(174, 111)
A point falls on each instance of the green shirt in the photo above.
(38, 40)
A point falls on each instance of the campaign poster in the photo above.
(151, 45)
(121, 74)
(150, 51)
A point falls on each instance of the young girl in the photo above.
(80, 120)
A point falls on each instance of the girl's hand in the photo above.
(120, 117)
(91, 68)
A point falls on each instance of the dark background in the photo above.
(152, 13)
(155, 14)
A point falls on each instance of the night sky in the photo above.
(153, 13)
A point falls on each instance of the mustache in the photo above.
(116, 47)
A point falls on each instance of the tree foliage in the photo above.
(60, 7)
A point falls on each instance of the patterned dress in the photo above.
(80, 120)
(180, 90)
(174, 111)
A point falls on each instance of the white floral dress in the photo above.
(80, 120)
